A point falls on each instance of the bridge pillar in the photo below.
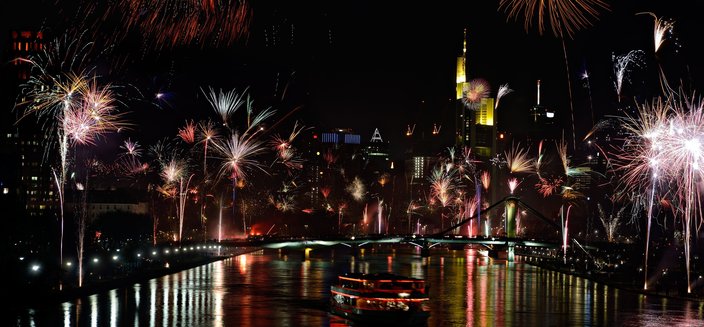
(424, 251)
(511, 213)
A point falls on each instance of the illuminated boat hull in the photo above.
(378, 308)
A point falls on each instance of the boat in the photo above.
(380, 298)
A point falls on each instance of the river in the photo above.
(272, 288)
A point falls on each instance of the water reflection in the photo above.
(291, 289)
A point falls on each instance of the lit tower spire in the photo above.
(462, 68)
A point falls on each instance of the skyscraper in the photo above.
(475, 123)
(25, 176)
(542, 122)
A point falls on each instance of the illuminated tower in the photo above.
(461, 126)
(542, 122)
(461, 78)
(24, 174)
(475, 126)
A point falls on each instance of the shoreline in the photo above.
(605, 281)
(34, 299)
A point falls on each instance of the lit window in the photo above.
(34, 178)
(5, 190)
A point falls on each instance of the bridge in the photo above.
(502, 245)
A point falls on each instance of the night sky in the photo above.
(358, 65)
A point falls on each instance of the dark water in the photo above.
(267, 288)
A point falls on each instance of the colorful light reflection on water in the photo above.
(283, 288)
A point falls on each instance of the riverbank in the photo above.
(23, 296)
(620, 280)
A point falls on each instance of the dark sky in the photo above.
(360, 65)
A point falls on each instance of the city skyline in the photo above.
(568, 134)
(366, 67)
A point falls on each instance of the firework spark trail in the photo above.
(286, 152)
(562, 152)
(340, 209)
(238, 155)
(486, 180)
(208, 135)
(188, 132)
(174, 172)
(325, 191)
(513, 184)
(172, 23)
(565, 237)
(220, 221)
(131, 148)
(224, 103)
(442, 185)
(518, 160)
(539, 161)
(666, 131)
(547, 187)
(365, 215)
(661, 31)
(622, 66)
(283, 203)
(564, 16)
(379, 217)
(478, 203)
(330, 157)
(610, 223)
(73, 108)
(503, 90)
(128, 162)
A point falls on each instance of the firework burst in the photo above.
(175, 174)
(503, 91)
(661, 31)
(238, 155)
(188, 132)
(224, 103)
(518, 160)
(286, 152)
(611, 223)
(547, 187)
(513, 184)
(132, 149)
(665, 149)
(622, 66)
(442, 185)
(476, 90)
(72, 107)
(357, 189)
(564, 16)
